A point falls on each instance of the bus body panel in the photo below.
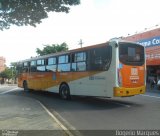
(94, 85)
(133, 81)
(133, 76)
(82, 83)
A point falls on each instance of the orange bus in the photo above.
(112, 69)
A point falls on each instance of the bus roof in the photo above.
(77, 50)
(65, 52)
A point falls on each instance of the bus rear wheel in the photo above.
(25, 86)
(64, 92)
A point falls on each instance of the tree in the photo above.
(30, 12)
(7, 73)
(13, 66)
(48, 49)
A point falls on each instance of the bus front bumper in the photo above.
(124, 92)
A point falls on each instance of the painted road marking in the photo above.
(150, 96)
(67, 131)
(9, 90)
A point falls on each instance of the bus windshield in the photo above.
(131, 54)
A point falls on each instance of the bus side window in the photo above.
(41, 65)
(51, 64)
(19, 68)
(100, 58)
(33, 66)
(73, 63)
(25, 67)
(107, 58)
(63, 63)
(80, 58)
(41, 68)
(81, 66)
(78, 61)
(74, 66)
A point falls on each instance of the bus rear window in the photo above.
(131, 54)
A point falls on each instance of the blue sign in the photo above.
(154, 41)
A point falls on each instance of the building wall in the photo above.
(2, 64)
(151, 40)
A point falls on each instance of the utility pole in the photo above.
(80, 43)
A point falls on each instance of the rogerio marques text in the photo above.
(137, 133)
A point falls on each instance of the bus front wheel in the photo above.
(25, 86)
(64, 92)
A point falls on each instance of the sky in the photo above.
(93, 21)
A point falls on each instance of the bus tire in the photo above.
(64, 92)
(25, 86)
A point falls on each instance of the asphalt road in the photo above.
(140, 112)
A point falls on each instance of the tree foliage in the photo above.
(7, 73)
(48, 49)
(30, 12)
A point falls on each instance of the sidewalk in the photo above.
(8, 84)
(23, 113)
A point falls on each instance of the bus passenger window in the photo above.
(64, 67)
(51, 68)
(33, 63)
(33, 66)
(100, 58)
(64, 64)
(51, 61)
(40, 62)
(63, 59)
(81, 56)
(79, 63)
(25, 67)
(41, 68)
(26, 64)
(74, 65)
(81, 66)
(19, 68)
